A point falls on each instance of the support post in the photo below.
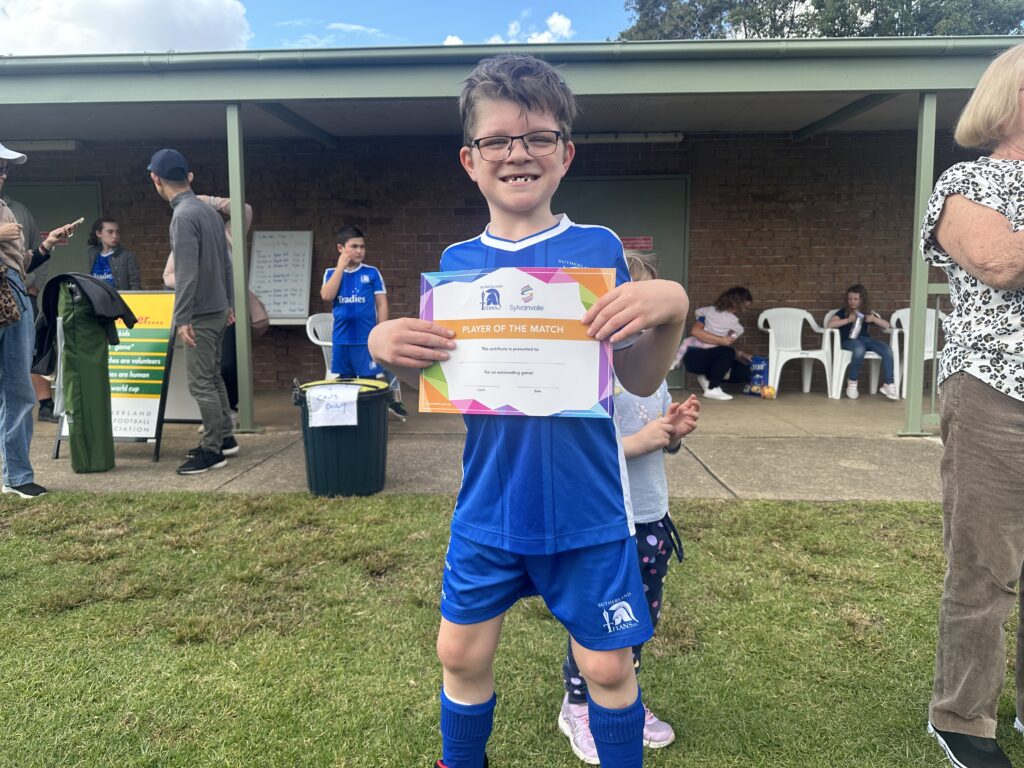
(240, 267)
(919, 269)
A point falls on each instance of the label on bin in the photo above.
(332, 405)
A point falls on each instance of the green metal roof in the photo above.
(877, 65)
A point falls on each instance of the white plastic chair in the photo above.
(784, 326)
(320, 330)
(900, 341)
(841, 359)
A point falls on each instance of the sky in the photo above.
(52, 27)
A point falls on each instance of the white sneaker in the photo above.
(703, 381)
(889, 390)
(851, 390)
(1018, 726)
(716, 393)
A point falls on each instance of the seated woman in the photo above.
(708, 350)
(854, 322)
(110, 262)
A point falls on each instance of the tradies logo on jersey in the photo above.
(618, 615)
(490, 299)
(351, 299)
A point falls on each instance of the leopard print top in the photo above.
(985, 330)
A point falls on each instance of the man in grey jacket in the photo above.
(203, 305)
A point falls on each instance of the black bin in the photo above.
(348, 461)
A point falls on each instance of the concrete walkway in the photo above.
(796, 447)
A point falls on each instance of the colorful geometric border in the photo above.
(593, 283)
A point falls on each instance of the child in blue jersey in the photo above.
(544, 506)
(649, 426)
(359, 301)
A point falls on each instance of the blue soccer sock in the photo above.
(465, 729)
(618, 733)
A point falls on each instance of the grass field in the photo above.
(215, 630)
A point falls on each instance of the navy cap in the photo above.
(169, 164)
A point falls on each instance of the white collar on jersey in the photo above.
(517, 245)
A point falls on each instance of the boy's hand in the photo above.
(409, 342)
(633, 307)
(683, 417)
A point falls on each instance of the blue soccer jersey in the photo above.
(355, 306)
(535, 485)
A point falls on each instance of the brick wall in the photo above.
(796, 223)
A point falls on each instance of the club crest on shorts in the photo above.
(618, 616)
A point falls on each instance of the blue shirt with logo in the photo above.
(101, 269)
(540, 485)
(355, 306)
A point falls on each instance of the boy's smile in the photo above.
(519, 188)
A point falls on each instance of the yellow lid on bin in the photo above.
(365, 385)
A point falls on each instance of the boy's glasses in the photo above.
(499, 148)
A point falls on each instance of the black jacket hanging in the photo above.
(106, 303)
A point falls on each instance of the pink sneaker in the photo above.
(574, 722)
(657, 733)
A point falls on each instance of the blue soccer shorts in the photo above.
(354, 361)
(595, 592)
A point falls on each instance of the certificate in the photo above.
(520, 347)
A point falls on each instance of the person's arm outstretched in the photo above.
(657, 307)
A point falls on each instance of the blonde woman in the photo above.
(974, 231)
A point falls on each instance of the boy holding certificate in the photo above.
(543, 507)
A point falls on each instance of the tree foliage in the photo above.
(708, 19)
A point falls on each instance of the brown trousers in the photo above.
(983, 537)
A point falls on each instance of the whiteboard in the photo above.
(280, 273)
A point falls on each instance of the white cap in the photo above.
(14, 158)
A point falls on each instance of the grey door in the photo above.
(55, 204)
(647, 212)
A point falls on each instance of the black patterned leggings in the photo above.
(655, 543)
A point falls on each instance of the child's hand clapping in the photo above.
(630, 308)
(683, 417)
(410, 342)
(654, 436)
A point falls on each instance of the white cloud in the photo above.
(558, 27)
(294, 23)
(355, 29)
(453, 40)
(40, 27)
(309, 40)
(338, 34)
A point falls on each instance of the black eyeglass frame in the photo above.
(523, 137)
